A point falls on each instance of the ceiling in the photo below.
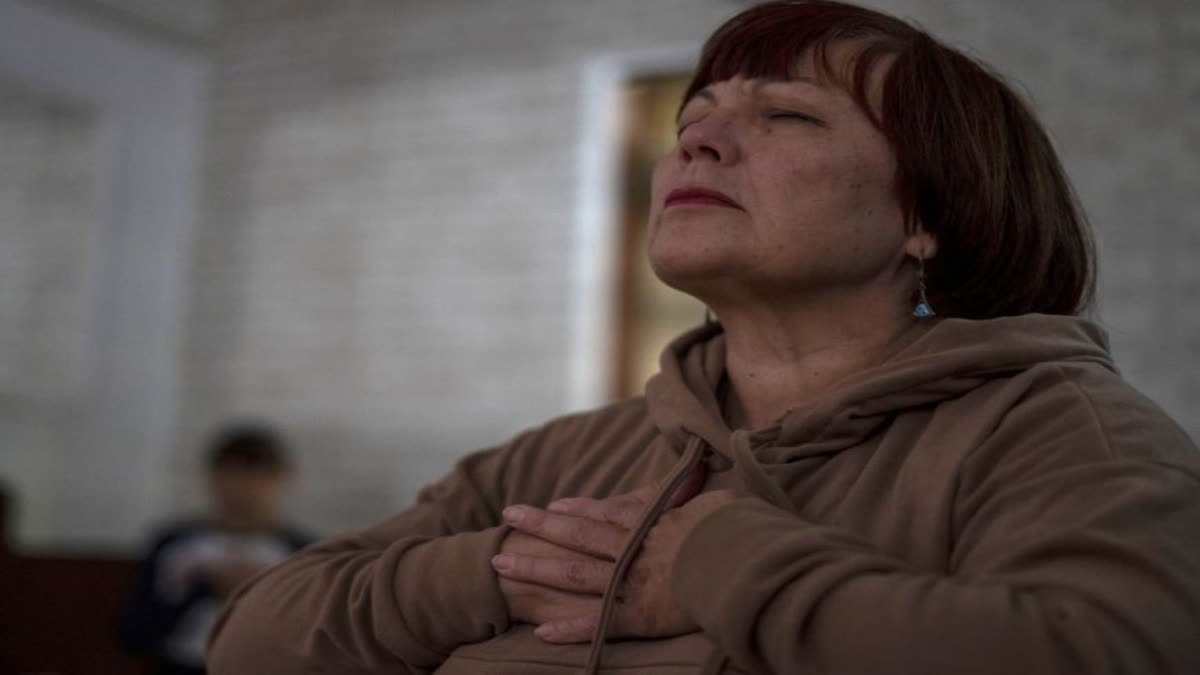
(187, 22)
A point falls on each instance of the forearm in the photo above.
(795, 597)
(338, 608)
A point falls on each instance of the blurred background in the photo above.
(403, 230)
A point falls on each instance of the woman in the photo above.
(899, 451)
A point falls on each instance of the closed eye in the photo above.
(793, 115)
(680, 129)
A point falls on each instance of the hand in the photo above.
(645, 606)
(226, 575)
(601, 528)
(538, 603)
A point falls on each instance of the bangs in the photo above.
(776, 40)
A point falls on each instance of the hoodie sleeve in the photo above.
(394, 598)
(1075, 551)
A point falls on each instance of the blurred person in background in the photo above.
(194, 565)
(902, 449)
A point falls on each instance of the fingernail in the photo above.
(560, 505)
(543, 631)
(502, 562)
(513, 515)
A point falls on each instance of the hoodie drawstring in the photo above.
(756, 481)
(754, 476)
(692, 455)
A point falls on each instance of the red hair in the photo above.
(974, 168)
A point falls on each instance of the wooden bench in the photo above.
(58, 614)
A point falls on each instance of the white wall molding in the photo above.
(594, 264)
(109, 477)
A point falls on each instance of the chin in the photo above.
(686, 271)
(688, 254)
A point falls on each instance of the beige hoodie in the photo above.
(993, 498)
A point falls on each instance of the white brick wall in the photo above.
(47, 193)
(384, 264)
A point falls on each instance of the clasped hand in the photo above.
(556, 564)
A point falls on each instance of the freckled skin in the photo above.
(820, 209)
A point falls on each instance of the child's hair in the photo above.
(248, 446)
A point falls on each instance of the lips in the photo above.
(700, 196)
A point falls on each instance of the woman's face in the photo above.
(777, 188)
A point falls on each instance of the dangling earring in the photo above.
(923, 310)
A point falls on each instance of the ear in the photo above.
(920, 244)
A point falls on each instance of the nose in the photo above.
(708, 139)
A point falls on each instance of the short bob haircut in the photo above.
(974, 168)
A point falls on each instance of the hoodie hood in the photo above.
(943, 360)
(936, 361)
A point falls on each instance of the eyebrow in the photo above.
(707, 94)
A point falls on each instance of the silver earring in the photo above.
(923, 310)
(708, 317)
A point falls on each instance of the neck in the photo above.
(777, 362)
